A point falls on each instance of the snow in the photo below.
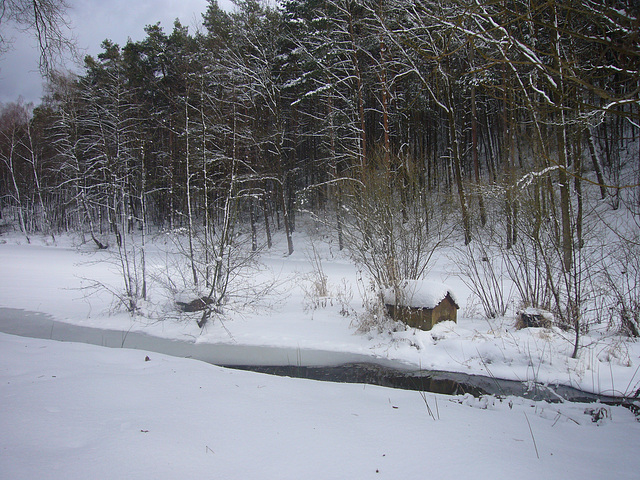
(419, 294)
(82, 411)
(64, 280)
(74, 410)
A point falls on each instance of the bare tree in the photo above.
(427, 50)
(253, 63)
(46, 21)
(64, 99)
(390, 239)
(13, 125)
(112, 149)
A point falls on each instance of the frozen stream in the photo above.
(312, 364)
(39, 325)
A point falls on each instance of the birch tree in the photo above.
(111, 147)
(13, 124)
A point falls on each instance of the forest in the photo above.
(508, 129)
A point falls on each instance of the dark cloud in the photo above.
(92, 21)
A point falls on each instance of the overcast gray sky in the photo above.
(92, 21)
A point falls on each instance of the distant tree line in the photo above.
(516, 120)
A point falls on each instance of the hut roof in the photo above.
(419, 294)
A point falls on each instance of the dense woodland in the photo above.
(509, 129)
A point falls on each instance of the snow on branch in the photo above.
(526, 180)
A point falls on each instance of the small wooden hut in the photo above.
(421, 304)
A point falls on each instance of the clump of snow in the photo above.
(537, 311)
(418, 294)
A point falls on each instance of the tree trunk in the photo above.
(254, 230)
(187, 160)
(597, 164)
(10, 163)
(285, 220)
(457, 167)
(359, 91)
(267, 227)
(474, 149)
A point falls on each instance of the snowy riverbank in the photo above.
(59, 280)
(81, 411)
(73, 410)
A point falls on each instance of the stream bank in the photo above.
(322, 365)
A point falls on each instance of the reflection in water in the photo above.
(449, 383)
(372, 374)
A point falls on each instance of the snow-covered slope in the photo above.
(83, 411)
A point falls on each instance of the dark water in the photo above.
(449, 383)
(309, 364)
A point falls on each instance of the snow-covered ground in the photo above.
(57, 280)
(71, 410)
